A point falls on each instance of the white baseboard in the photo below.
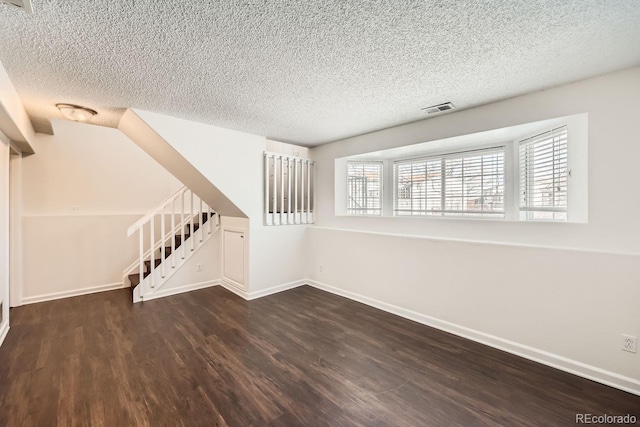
(3, 332)
(580, 369)
(261, 293)
(72, 293)
(275, 289)
(180, 290)
(231, 287)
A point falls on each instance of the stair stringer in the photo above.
(163, 152)
(198, 239)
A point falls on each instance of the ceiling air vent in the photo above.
(440, 108)
(20, 4)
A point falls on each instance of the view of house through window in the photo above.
(525, 172)
(543, 176)
(364, 188)
(461, 184)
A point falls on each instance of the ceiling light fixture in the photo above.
(76, 113)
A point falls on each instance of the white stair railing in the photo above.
(181, 210)
(289, 193)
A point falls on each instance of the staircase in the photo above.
(183, 223)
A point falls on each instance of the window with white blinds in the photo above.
(364, 188)
(458, 184)
(543, 176)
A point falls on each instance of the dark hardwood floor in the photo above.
(301, 357)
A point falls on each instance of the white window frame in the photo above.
(457, 154)
(510, 137)
(381, 180)
(527, 210)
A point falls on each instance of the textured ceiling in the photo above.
(304, 71)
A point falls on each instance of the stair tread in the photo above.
(157, 262)
(134, 278)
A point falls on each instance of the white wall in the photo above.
(287, 149)
(233, 162)
(95, 168)
(152, 134)
(520, 283)
(4, 234)
(208, 257)
(278, 256)
(613, 150)
(112, 181)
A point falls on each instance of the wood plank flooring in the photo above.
(301, 357)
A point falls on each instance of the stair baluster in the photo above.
(210, 222)
(182, 222)
(173, 232)
(200, 214)
(152, 242)
(191, 216)
(141, 270)
(163, 247)
(163, 231)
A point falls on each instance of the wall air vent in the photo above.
(440, 108)
(20, 4)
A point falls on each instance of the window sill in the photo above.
(462, 218)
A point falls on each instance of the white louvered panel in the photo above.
(288, 190)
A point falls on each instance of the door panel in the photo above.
(234, 256)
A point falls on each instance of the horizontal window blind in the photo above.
(544, 175)
(458, 184)
(364, 188)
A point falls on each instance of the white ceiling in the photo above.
(302, 71)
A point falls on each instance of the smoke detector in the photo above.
(440, 108)
(20, 4)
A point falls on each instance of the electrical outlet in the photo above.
(629, 343)
(199, 267)
(321, 268)
(75, 209)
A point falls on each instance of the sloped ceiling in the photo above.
(306, 72)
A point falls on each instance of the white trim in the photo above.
(180, 290)
(232, 287)
(580, 369)
(245, 262)
(15, 230)
(5, 231)
(480, 242)
(72, 293)
(174, 259)
(3, 332)
(275, 289)
(88, 214)
(239, 286)
(159, 210)
(574, 367)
